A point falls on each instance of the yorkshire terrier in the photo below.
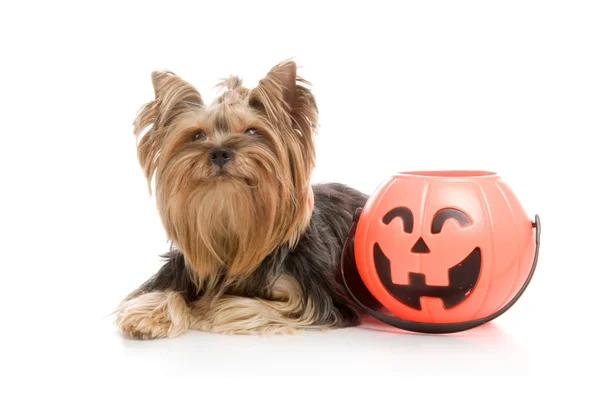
(256, 248)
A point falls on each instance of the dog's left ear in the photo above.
(283, 76)
(288, 104)
(284, 96)
(277, 91)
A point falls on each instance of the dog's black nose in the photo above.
(220, 156)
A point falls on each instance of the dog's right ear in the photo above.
(173, 97)
(167, 83)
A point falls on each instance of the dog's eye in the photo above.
(198, 135)
(251, 131)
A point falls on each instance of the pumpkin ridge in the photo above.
(426, 189)
(490, 237)
(371, 274)
(518, 232)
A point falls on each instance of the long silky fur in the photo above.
(314, 263)
(260, 247)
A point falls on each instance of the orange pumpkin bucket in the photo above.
(445, 251)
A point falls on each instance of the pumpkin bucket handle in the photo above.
(436, 328)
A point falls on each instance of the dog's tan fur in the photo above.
(165, 314)
(238, 221)
(284, 312)
(154, 315)
(264, 202)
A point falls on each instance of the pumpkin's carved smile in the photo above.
(463, 277)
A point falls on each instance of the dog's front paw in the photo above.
(154, 315)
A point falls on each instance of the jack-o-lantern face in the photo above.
(462, 277)
(444, 248)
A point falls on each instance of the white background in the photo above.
(507, 86)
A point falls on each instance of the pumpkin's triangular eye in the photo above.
(404, 213)
(444, 214)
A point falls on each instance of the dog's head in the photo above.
(232, 178)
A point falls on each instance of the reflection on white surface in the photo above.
(97, 357)
(370, 350)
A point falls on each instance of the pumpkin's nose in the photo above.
(420, 247)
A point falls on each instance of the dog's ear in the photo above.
(167, 83)
(287, 102)
(284, 77)
(277, 88)
(282, 95)
(173, 96)
(289, 106)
